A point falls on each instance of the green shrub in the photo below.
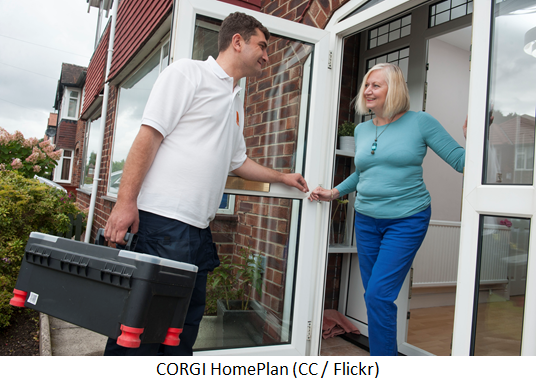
(26, 205)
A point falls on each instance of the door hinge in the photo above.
(309, 330)
(330, 59)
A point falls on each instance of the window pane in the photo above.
(501, 285)
(264, 232)
(72, 107)
(132, 99)
(66, 169)
(205, 39)
(91, 142)
(512, 97)
(443, 17)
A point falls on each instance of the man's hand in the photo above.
(296, 180)
(251, 170)
(123, 216)
(125, 213)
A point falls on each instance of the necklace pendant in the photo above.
(373, 148)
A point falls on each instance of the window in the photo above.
(390, 32)
(509, 150)
(448, 10)
(398, 57)
(71, 100)
(133, 96)
(62, 173)
(91, 142)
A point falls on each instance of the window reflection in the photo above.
(91, 142)
(512, 99)
(502, 275)
(133, 97)
(249, 297)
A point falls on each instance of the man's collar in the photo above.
(217, 69)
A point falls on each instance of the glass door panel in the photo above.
(258, 238)
(501, 285)
(499, 195)
(262, 231)
(510, 138)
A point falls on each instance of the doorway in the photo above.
(434, 55)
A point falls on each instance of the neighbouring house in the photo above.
(62, 125)
(454, 55)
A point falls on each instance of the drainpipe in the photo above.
(104, 110)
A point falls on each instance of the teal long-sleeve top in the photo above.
(389, 183)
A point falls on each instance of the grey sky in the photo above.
(36, 37)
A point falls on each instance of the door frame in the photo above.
(310, 260)
(477, 199)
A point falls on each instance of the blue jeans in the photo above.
(386, 249)
(175, 240)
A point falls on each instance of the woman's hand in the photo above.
(321, 194)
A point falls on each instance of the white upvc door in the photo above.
(495, 197)
(305, 57)
(499, 199)
(352, 301)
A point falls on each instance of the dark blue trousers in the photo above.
(175, 240)
(386, 249)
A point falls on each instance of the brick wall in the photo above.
(309, 12)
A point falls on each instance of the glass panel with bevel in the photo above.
(501, 283)
(509, 157)
(257, 243)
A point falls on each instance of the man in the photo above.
(191, 137)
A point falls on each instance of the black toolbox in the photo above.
(132, 297)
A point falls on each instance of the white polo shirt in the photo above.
(193, 105)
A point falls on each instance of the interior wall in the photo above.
(447, 101)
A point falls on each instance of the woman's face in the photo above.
(376, 91)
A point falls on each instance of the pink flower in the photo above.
(56, 155)
(2, 166)
(18, 136)
(506, 223)
(37, 168)
(16, 164)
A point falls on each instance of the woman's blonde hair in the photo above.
(397, 99)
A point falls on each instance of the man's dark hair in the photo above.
(240, 23)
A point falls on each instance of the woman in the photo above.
(392, 204)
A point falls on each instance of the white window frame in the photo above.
(65, 103)
(59, 168)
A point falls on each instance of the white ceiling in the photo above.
(459, 38)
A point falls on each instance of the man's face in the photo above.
(254, 54)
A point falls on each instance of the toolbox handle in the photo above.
(131, 239)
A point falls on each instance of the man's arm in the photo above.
(139, 160)
(250, 170)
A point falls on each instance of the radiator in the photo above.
(436, 262)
